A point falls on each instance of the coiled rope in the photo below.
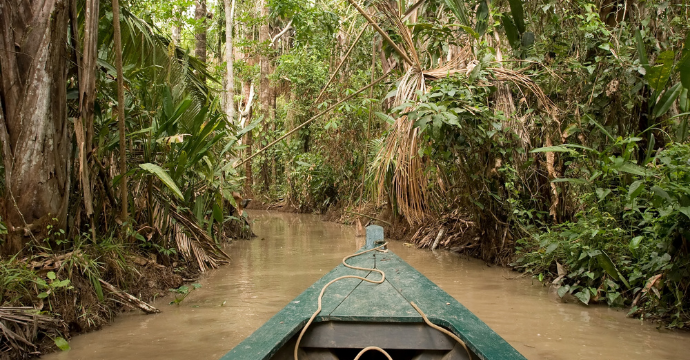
(383, 278)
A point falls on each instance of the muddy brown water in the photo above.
(292, 251)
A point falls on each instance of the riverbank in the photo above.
(265, 275)
(61, 289)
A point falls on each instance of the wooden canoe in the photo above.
(357, 314)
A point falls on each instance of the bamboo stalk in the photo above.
(335, 72)
(383, 33)
(312, 119)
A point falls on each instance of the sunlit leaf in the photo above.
(164, 177)
(61, 343)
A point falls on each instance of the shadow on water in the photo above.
(292, 251)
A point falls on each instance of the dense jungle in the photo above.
(546, 136)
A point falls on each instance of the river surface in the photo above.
(292, 251)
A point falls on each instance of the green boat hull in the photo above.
(356, 314)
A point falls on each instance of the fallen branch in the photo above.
(129, 298)
(438, 238)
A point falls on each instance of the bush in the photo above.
(628, 246)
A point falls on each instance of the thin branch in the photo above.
(310, 120)
(412, 9)
(287, 27)
(335, 72)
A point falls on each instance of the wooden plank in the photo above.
(443, 310)
(358, 335)
(375, 303)
(266, 340)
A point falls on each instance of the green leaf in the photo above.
(562, 290)
(459, 10)
(217, 213)
(43, 295)
(249, 127)
(164, 177)
(51, 275)
(602, 193)
(635, 189)
(570, 180)
(557, 148)
(584, 296)
(658, 75)
(482, 18)
(518, 14)
(667, 99)
(61, 343)
(661, 193)
(641, 51)
(551, 248)
(685, 210)
(684, 65)
(385, 117)
(527, 39)
(684, 101)
(631, 168)
(606, 264)
(635, 242)
(511, 31)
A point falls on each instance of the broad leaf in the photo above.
(482, 18)
(570, 180)
(606, 263)
(61, 343)
(635, 189)
(631, 168)
(557, 148)
(459, 10)
(641, 51)
(518, 14)
(664, 104)
(511, 31)
(584, 296)
(658, 75)
(164, 177)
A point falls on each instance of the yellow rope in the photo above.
(383, 278)
(311, 319)
(373, 348)
(426, 320)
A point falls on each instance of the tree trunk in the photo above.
(83, 126)
(264, 86)
(229, 58)
(120, 109)
(200, 33)
(34, 130)
(177, 27)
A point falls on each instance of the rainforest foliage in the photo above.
(549, 135)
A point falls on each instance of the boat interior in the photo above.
(338, 340)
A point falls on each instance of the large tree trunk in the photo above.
(200, 33)
(34, 130)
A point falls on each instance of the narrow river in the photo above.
(292, 251)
